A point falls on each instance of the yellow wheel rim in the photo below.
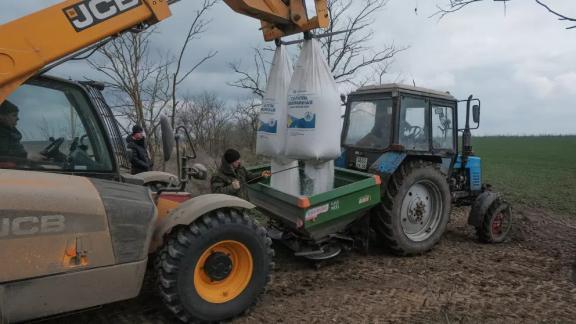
(223, 271)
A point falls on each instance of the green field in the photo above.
(533, 171)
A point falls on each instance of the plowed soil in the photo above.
(531, 278)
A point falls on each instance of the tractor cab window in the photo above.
(413, 130)
(442, 127)
(48, 125)
(370, 124)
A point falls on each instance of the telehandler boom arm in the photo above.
(30, 43)
(282, 17)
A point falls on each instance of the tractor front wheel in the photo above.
(415, 208)
(496, 223)
(216, 268)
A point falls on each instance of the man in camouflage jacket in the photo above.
(232, 178)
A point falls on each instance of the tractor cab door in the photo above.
(367, 131)
(413, 125)
(427, 125)
(444, 130)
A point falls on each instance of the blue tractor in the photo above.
(409, 136)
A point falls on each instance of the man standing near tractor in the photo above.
(232, 177)
(140, 160)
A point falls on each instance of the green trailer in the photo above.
(317, 227)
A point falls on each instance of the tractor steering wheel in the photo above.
(412, 132)
(52, 151)
(415, 131)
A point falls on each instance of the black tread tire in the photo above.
(485, 231)
(178, 257)
(386, 219)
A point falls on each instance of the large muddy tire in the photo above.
(496, 224)
(216, 268)
(415, 209)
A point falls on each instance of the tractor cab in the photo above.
(400, 120)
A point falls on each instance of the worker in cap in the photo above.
(232, 177)
(10, 137)
(139, 158)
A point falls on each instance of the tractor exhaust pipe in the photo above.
(467, 135)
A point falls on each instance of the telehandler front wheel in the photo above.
(216, 268)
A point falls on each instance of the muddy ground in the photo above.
(529, 279)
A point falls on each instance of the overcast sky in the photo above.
(521, 62)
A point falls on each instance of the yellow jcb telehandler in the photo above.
(76, 229)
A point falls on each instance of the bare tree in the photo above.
(196, 29)
(137, 82)
(143, 82)
(349, 55)
(255, 80)
(380, 71)
(209, 121)
(457, 5)
(247, 122)
(246, 113)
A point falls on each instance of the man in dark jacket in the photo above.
(10, 137)
(232, 177)
(139, 160)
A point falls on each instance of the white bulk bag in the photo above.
(285, 176)
(314, 114)
(319, 177)
(272, 119)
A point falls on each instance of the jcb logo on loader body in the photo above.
(88, 13)
(31, 225)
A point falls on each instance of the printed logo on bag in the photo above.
(270, 126)
(308, 121)
(88, 13)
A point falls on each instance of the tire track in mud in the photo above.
(526, 279)
(531, 278)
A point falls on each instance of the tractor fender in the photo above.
(191, 210)
(481, 206)
(157, 176)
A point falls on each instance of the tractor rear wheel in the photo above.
(415, 208)
(216, 268)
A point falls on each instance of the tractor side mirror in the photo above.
(343, 99)
(167, 137)
(476, 114)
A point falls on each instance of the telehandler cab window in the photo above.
(53, 129)
(442, 127)
(413, 130)
(370, 124)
